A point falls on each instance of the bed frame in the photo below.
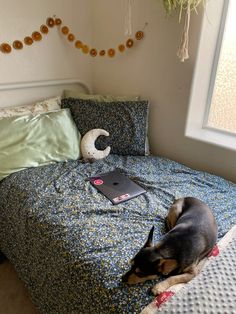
(23, 93)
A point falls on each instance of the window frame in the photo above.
(212, 31)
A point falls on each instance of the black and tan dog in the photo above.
(180, 254)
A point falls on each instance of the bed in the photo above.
(70, 245)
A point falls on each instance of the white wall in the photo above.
(153, 71)
(51, 58)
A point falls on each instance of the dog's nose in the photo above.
(124, 278)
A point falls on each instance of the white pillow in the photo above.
(46, 105)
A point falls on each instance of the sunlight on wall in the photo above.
(223, 107)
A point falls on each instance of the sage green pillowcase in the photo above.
(36, 140)
(100, 98)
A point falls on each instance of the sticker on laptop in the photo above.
(121, 197)
(98, 182)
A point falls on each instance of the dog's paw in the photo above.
(159, 288)
(149, 291)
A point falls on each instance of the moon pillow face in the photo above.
(88, 148)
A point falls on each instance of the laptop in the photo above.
(116, 186)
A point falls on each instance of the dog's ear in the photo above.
(150, 238)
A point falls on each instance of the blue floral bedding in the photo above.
(70, 245)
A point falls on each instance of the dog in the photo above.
(180, 255)
(2, 257)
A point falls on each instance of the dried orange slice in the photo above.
(93, 52)
(111, 52)
(65, 30)
(71, 37)
(28, 40)
(139, 35)
(50, 22)
(58, 21)
(17, 44)
(78, 44)
(44, 29)
(5, 48)
(85, 49)
(121, 47)
(102, 53)
(36, 36)
(129, 43)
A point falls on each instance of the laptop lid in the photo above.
(116, 186)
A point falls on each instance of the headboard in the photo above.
(17, 94)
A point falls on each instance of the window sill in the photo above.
(212, 136)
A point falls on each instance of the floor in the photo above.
(14, 298)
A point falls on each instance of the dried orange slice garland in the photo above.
(50, 23)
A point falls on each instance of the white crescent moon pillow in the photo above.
(88, 149)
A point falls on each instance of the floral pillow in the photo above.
(46, 105)
(126, 121)
(102, 98)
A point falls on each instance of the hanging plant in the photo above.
(173, 5)
(184, 6)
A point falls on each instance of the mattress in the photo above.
(212, 291)
(70, 245)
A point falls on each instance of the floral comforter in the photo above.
(70, 245)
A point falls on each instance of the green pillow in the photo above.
(36, 140)
(103, 98)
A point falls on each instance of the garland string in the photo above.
(36, 36)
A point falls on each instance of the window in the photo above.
(212, 111)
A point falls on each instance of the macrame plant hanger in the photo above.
(128, 17)
(183, 49)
